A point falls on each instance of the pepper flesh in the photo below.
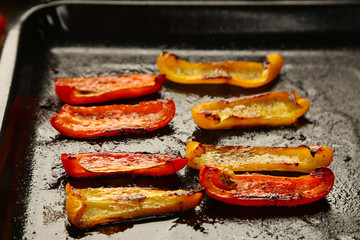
(272, 109)
(241, 158)
(83, 165)
(238, 73)
(259, 190)
(85, 122)
(78, 91)
(2, 25)
(91, 206)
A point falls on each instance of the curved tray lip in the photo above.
(8, 56)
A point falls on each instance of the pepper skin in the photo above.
(241, 158)
(83, 165)
(271, 109)
(85, 122)
(91, 206)
(260, 190)
(243, 74)
(2, 25)
(79, 91)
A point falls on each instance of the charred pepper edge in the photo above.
(273, 65)
(75, 169)
(71, 95)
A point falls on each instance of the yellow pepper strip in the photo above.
(241, 158)
(238, 73)
(91, 206)
(267, 109)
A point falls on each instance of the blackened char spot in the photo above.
(145, 153)
(209, 114)
(126, 130)
(225, 101)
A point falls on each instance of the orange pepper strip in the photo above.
(238, 73)
(267, 109)
(241, 158)
(85, 122)
(91, 206)
(83, 165)
(258, 190)
(78, 91)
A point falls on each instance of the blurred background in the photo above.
(9, 8)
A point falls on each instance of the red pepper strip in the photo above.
(258, 190)
(85, 122)
(78, 91)
(85, 165)
(2, 25)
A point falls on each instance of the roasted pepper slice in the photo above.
(2, 25)
(241, 158)
(91, 206)
(266, 109)
(257, 189)
(243, 74)
(105, 88)
(84, 122)
(84, 165)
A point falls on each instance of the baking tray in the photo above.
(319, 42)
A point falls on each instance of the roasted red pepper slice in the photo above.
(84, 165)
(85, 122)
(78, 91)
(257, 189)
(2, 25)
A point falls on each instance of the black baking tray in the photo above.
(320, 45)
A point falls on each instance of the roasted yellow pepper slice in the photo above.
(239, 73)
(91, 206)
(266, 109)
(241, 158)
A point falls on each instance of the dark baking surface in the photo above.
(320, 45)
